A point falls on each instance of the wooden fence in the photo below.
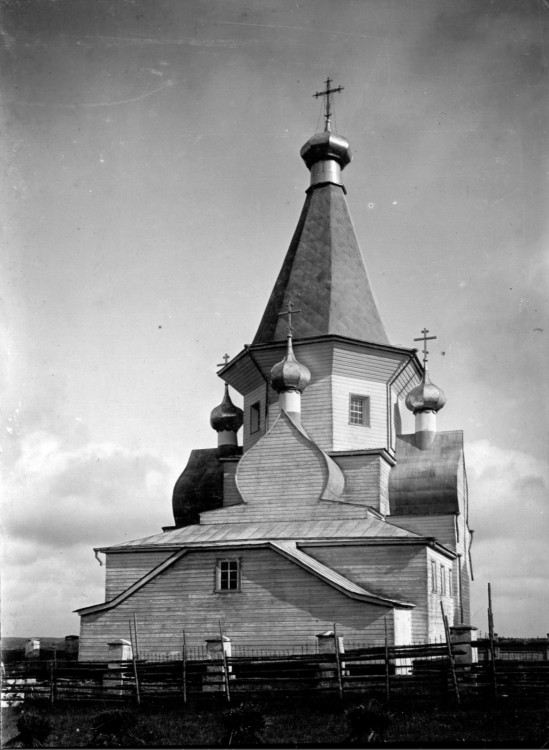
(418, 672)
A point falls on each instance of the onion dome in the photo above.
(226, 416)
(289, 374)
(326, 145)
(426, 396)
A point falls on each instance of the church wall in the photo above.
(279, 605)
(231, 495)
(385, 470)
(442, 527)
(394, 571)
(256, 395)
(353, 437)
(435, 597)
(358, 362)
(361, 478)
(123, 569)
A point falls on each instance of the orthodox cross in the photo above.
(290, 311)
(425, 339)
(226, 358)
(327, 93)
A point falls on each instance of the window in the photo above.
(450, 587)
(433, 577)
(443, 580)
(359, 410)
(227, 575)
(255, 417)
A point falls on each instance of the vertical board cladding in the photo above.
(124, 568)
(278, 605)
(362, 478)
(440, 568)
(385, 469)
(256, 396)
(354, 436)
(442, 527)
(394, 571)
(359, 361)
(231, 495)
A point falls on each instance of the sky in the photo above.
(151, 185)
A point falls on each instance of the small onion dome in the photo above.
(290, 375)
(326, 145)
(426, 396)
(226, 416)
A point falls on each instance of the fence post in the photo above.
(184, 667)
(387, 664)
(450, 655)
(492, 645)
(52, 678)
(133, 638)
(225, 664)
(338, 664)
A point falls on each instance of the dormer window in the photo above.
(255, 417)
(359, 410)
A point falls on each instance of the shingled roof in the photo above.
(324, 274)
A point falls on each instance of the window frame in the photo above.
(220, 561)
(255, 411)
(443, 580)
(365, 410)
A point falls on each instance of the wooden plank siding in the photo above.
(355, 361)
(123, 569)
(391, 571)
(279, 605)
(436, 625)
(231, 495)
(257, 395)
(351, 436)
(363, 477)
(283, 478)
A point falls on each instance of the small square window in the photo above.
(255, 417)
(359, 410)
(227, 575)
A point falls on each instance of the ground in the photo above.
(324, 722)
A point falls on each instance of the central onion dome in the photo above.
(426, 396)
(289, 374)
(226, 416)
(326, 145)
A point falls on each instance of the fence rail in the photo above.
(419, 672)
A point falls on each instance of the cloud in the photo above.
(62, 498)
(508, 501)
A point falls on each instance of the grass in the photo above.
(324, 722)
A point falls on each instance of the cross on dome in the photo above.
(225, 358)
(289, 312)
(327, 93)
(425, 339)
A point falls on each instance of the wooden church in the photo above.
(326, 513)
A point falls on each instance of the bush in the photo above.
(116, 729)
(367, 723)
(245, 724)
(34, 729)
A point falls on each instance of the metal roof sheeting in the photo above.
(357, 528)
